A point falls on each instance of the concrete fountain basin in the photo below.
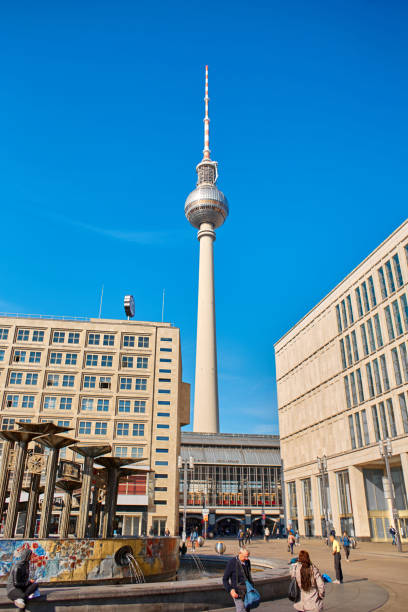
(206, 593)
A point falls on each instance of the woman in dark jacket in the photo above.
(19, 585)
(237, 572)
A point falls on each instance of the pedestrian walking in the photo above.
(193, 539)
(345, 540)
(248, 536)
(241, 536)
(267, 533)
(393, 534)
(237, 572)
(310, 583)
(19, 585)
(291, 542)
(337, 560)
(297, 538)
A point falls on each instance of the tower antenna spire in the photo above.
(206, 120)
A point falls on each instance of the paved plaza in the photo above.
(374, 579)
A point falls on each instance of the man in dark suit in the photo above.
(237, 572)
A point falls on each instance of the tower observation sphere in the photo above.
(206, 204)
(206, 208)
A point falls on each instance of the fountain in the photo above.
(89, 452)
(197, 561)
(84, 559)
(124, 557)
(113, 467)
(88, 559)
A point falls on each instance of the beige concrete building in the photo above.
(114, 381)
(342, 378)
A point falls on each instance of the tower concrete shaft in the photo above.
(206, 417)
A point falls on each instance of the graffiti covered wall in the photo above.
(91, 560)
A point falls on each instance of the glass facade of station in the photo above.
(233, 486)
(235, 482)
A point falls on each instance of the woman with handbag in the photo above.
(310, 584)
(238, 582)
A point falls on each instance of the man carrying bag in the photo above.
(238, 582)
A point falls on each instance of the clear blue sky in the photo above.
(101, 127)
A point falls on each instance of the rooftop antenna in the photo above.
(100, 303)
(164, 291)
(206, 120)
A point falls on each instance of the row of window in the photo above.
(128, 451)
(30, 378)
(387, 281)
(93, 338)
(88, 428)
(106, 361)
(377, 376)
(23, 335)
(344, 497)
(9, 423)
(384, 420)
(390, 278)
(35, 357)
(344, 313)
(348, 354)
(127, 384)
(394, 323)
(377, 383)
(100, 428)
(88, 381)
(21, 356)
(370, 342)
(384, 423)
(91, 360)
(62, 337)
(353, 381)
(97, 428)
(17, 401)
(371, 333)
(358, 425)
(53, 402)
(365, 296)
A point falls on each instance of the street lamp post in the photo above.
(205, 517)
(263, 519)
(322, 465)
(185, 466)
(386, 452)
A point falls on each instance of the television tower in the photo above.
(206, 208)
